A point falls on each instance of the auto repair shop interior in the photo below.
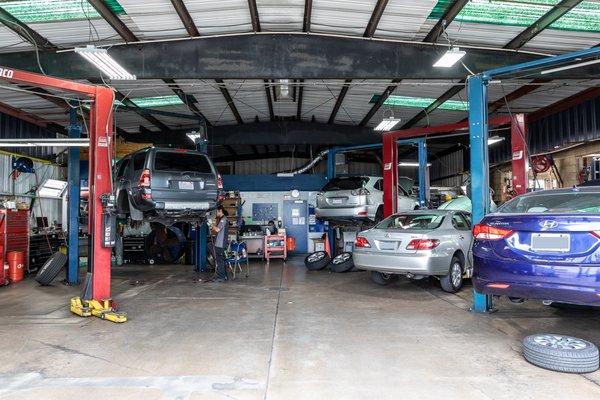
(299, 199)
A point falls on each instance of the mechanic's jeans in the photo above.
(220, 268)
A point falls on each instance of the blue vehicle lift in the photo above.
(478, 128)
(74, 181)
(421, 143)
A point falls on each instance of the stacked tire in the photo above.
(561, 353)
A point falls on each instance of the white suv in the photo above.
(360, 197)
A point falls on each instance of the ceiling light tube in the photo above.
(450, 57)
(44, 142)
(104, 62)
(494, 139)
(387, 124)
(571, 66)
(410, 164)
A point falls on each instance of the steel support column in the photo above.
(74, 180)
(390, 175)
(480, 183)
(518, 137)
(201, 233)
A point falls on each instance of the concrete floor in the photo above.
(283, 333)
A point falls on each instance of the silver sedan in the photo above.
(418, 244)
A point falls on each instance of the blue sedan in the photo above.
(542, 245)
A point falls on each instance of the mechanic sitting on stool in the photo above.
(220, 228)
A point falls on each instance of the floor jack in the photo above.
(106, 308)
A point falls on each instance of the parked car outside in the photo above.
(542, 245)
(360, 198)
(417, 244)
(166, 185)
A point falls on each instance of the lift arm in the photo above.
(100, 179)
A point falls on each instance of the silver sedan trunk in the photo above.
(415, 243)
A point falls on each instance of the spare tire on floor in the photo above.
(51, 268)
(561, 353)
(342, 263)
(317, 260)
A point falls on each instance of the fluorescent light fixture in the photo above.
(52, 189)
(387, 124)
(494, 139)
(450, 57)
(44, 142)
(283, 90)
(410, 164)
(571, 66)
(104, 62)
(194, 136)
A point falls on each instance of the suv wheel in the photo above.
(317, 260)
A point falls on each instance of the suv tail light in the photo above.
(423, 244)
(360, 192)
(219, 182)
(144, 183)
(486, 232)
(361, 241)
(145, 179)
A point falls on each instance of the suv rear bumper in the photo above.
(344, 212)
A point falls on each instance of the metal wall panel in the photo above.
(403, 19)
(341, 17)
(154, 18)
(14, 128)
(281, 15)
(220, 17)
(577, 124)
(50, 208)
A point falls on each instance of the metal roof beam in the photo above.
(254, 15)
(25, 31)
(299, 101)
(269, 100)
(307, 15)
(542, 23)
(229, 101)
(453, 91)
(451, 12)
(298, 56)
(338, 102)
(113, 20)
(382, 98)
(186, 18)
(188, 99)
(375, 17)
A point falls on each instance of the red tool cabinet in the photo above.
(14, 233)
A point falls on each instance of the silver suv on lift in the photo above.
(166, 185)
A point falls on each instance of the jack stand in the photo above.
(102, 310)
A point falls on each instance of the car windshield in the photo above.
(571, 202)
(181, 162)
(412, 222)
(346, 183)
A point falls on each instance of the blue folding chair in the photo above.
(236, 256)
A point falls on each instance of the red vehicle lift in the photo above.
(390, 152)
(100, 181)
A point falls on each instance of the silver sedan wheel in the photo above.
(456, 274)
(386, 276)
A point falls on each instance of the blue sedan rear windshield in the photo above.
(412, 222)
(561, 202)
